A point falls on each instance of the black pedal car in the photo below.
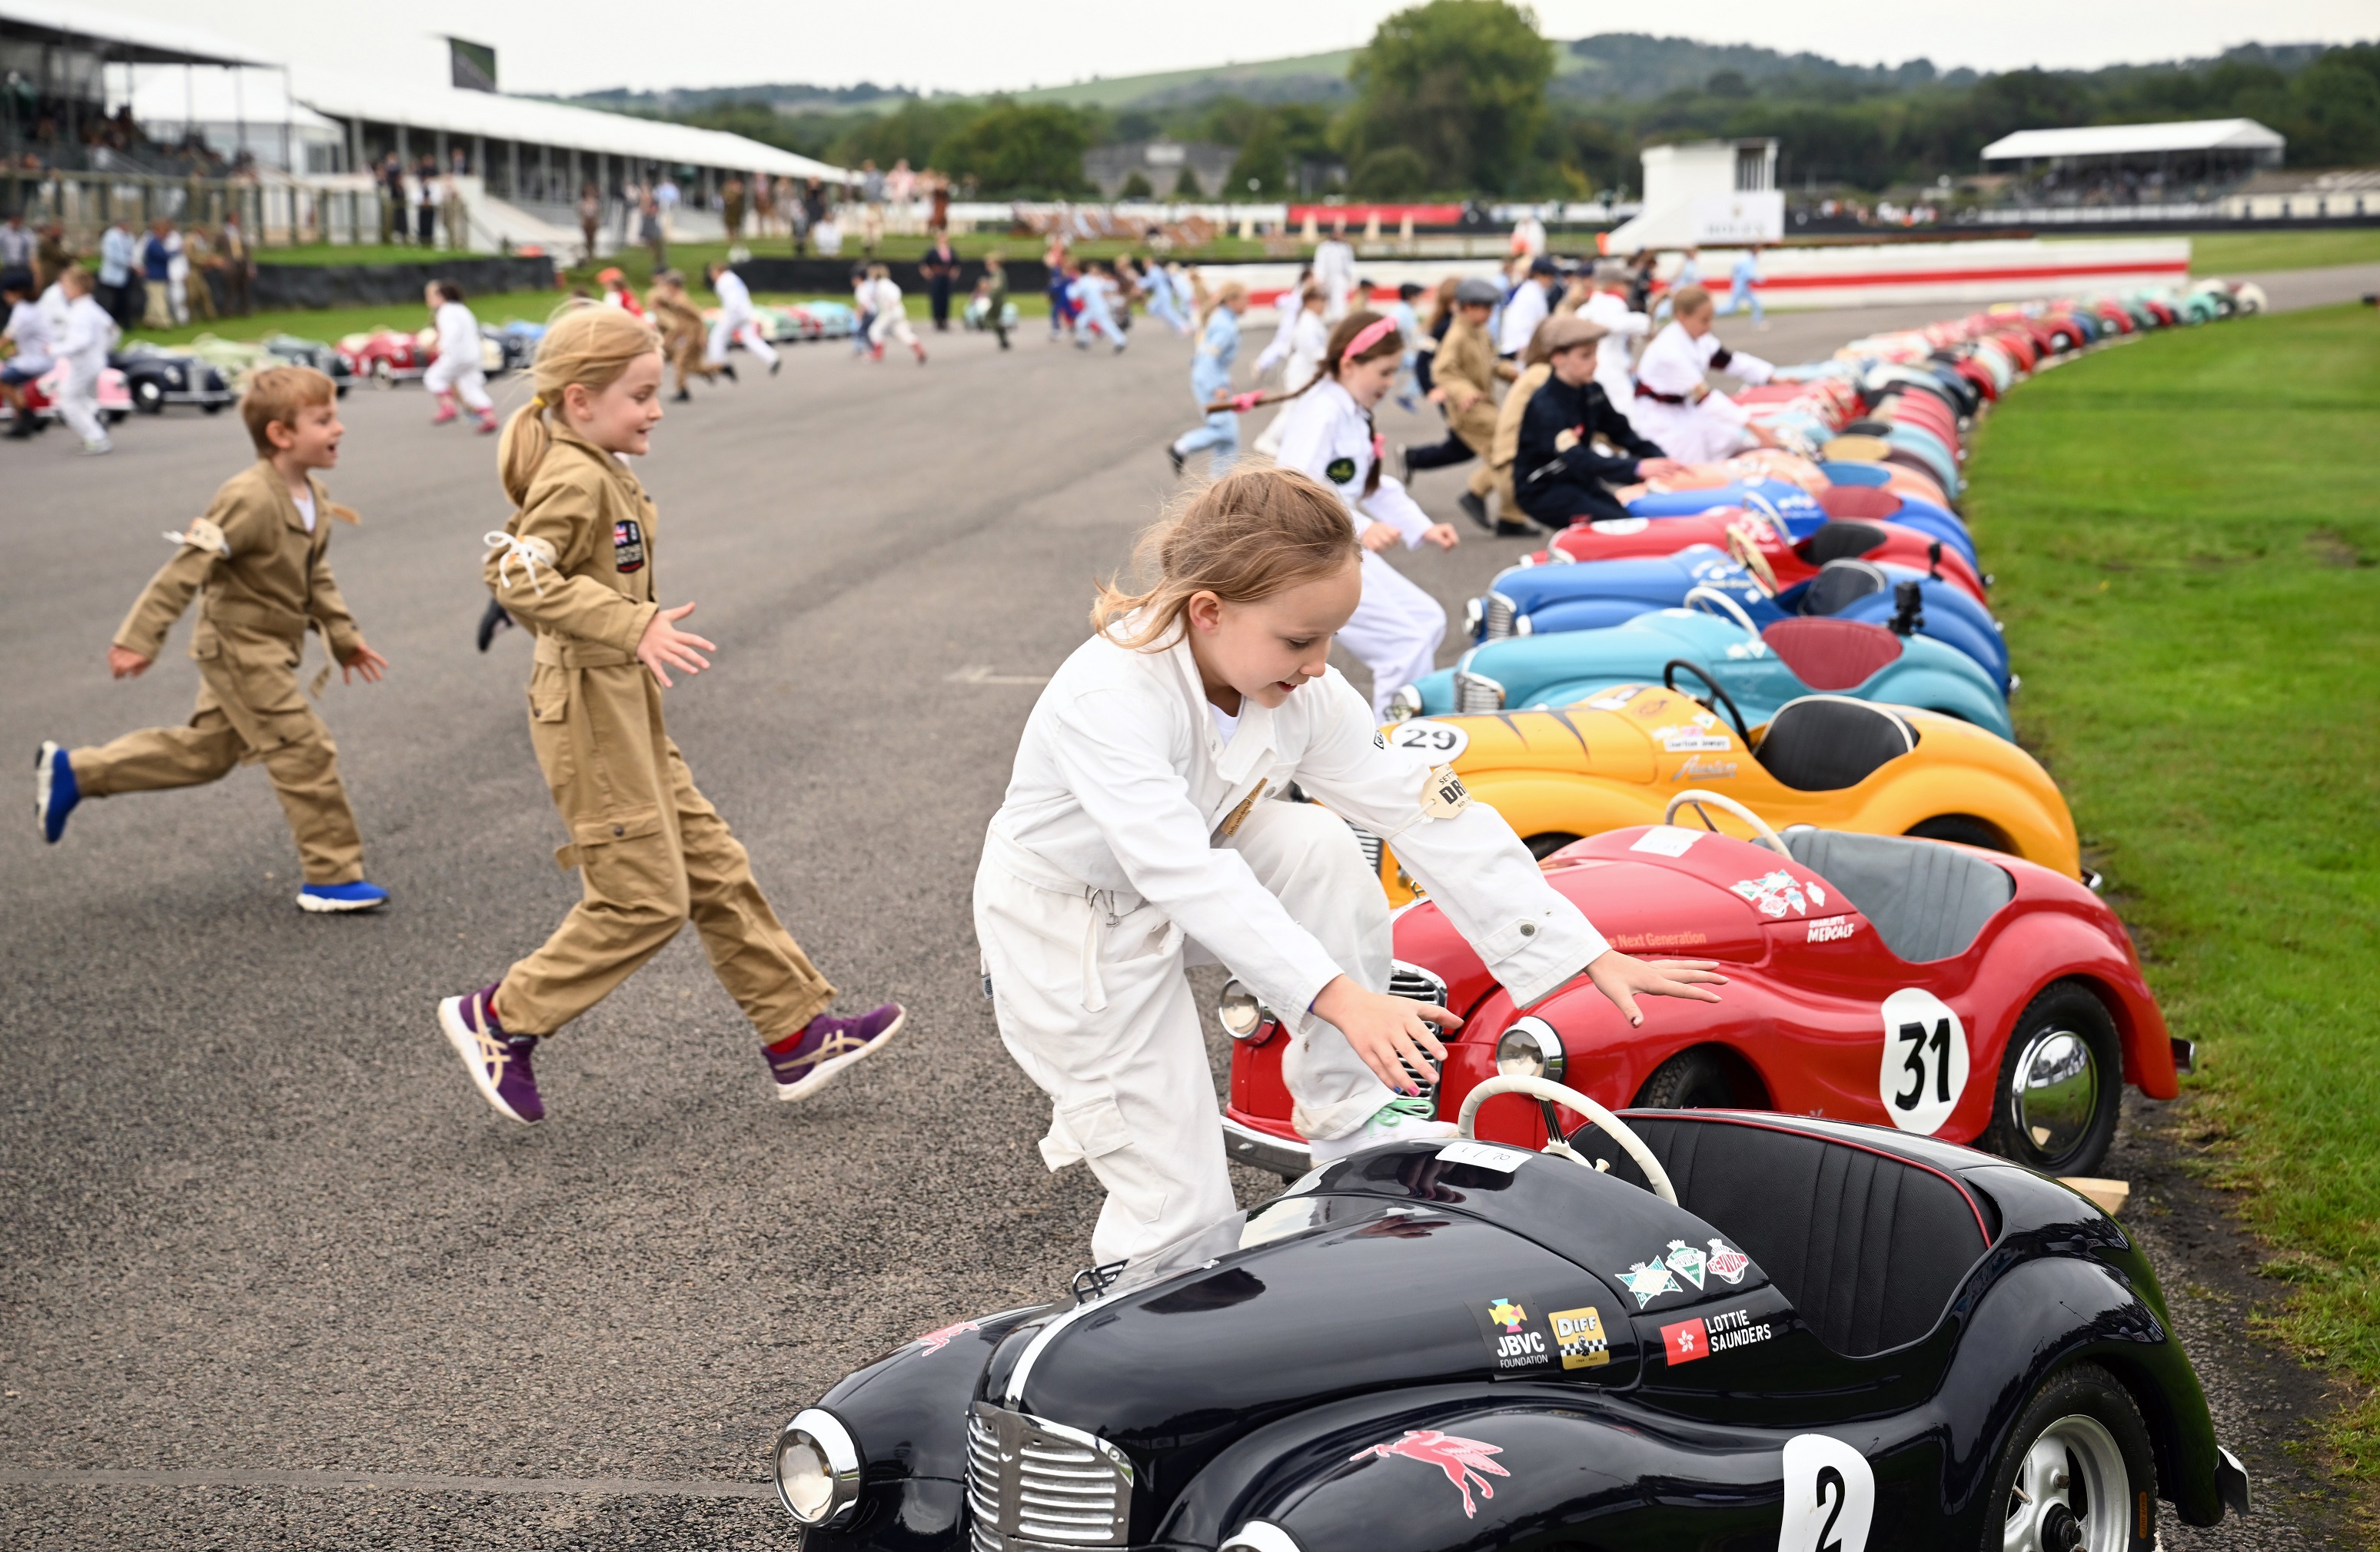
(1683, 1330)
(157, 377)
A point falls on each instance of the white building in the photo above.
(1705, 192)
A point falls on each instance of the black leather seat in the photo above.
(1838, 540)
(1841, 583)
(1869, 1247)
(1927, 901)
(1827, 742)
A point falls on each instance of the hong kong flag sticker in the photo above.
(1685, 1341)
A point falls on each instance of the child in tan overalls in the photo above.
(684, 335)
(260, 562)
(576, 566)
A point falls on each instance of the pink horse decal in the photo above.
(1461, 1460)
(934, 1341)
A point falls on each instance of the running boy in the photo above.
(1143, 821)
(458, 369)
(576, 566)
(29, 354)
(261, 559)
(737, 324)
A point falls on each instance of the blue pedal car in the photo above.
(1856, 496)
(1760, 670)
(1543, 600)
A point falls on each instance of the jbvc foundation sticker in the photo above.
(1527, 1335)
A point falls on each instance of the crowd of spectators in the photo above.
(167, 275)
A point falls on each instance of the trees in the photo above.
(1018, 149)
(1458, 84)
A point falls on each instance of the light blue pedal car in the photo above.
(1714, 642)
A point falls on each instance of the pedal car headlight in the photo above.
(1241, 1012)
(1530, 1049)
(817, 1469)
(1405, 705)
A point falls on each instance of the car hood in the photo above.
(1656, 580)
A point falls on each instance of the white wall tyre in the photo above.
(2077, 1474)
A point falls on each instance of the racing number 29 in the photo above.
(1921, 1044)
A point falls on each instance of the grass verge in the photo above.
(2185, 532)
(2232, 253)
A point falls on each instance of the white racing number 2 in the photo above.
(1829, 1496)
(1924, 1070)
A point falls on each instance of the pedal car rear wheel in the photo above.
(2076, 1475)
(1959, 828)
(1692, 1080)
(2061, 1084)
(1544, 845)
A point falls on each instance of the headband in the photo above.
(1367, 336)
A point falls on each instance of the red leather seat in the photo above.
(1832, 654)
(1853, 503)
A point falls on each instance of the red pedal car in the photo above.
(1914, 983)
(1764, 545)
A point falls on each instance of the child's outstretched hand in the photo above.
(123, 663)
(363, 661)
(1623, 979)
(1379, 536)
(1442, 535)
(664, 647)
(1383, 1028)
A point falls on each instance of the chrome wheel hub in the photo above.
(2055, 1091)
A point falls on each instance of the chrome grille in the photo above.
(1033, 1485)
(1500, 617)
(1371, 845)
(1412, 980)
(1476, 694)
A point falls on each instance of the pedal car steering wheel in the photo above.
(1747, 555)
(1696, 797)
(1570, 1099)
(1702, 593)
(1754, 502)
(1670, 681)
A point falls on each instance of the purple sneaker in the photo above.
(826, 1046)
(499, 1062)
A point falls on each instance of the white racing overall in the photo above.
(1134, 841)
(1693, 432)
(1397, 626)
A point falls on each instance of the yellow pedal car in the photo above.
(1620, 757)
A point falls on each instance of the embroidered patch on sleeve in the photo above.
(1340, 471)
(627, 545)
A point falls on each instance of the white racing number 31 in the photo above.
(1924, 1070)
(1829, 1496)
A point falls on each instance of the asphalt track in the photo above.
(273, 1275)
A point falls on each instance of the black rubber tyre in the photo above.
(1546, 845)
(1692, 1080)
(2060, 1129)
(1960, 829)
(2107, 1502)
(148, 398)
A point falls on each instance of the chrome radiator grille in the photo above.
(1412, 980)
(1371, 845)
(1476, 694)
(1500, 617)
(1033, 1485)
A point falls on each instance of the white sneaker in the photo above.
(1399, 1121)
(94, 449)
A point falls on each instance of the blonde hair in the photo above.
(1688, 298)
(1247, 536)
(1230, 291)
(587, 343)
(273, 396)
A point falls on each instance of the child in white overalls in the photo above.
(458, 370)
(1144, 830)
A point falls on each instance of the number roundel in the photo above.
(1829, 1495)
(1441, 741)
(1924, 1070)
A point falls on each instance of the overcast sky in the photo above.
(966, 45)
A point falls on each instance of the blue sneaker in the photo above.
(358, 896)
(54, 793)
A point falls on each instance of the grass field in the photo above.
(2246, 252)
(2185, 532)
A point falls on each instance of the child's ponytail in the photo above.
(586, 342)
(1247, 536)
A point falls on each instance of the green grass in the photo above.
(2228, 253)
(2185, 531)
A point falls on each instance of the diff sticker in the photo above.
(1580, 1339)
(1464, 1462)
(934, 1341)
(1439, 741)
(627, 546)
(1924, 1070)
(1443, 795)
(1340, 471)
(1773, 895)
(1829, 1495)
(1648, 1281)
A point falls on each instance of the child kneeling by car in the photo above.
(1143, 826)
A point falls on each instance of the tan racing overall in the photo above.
(262, 581)
(651, 850)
